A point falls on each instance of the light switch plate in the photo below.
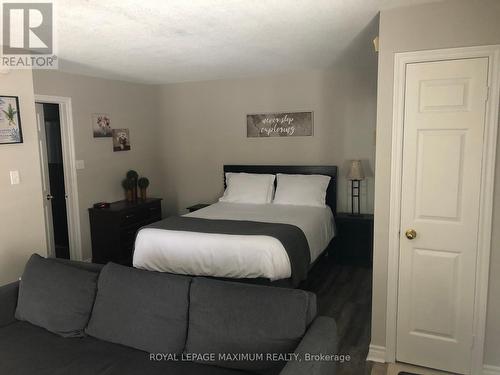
(14, 178)
(80, 164)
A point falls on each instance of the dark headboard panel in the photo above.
(327, 170)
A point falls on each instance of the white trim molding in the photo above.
(491, 370)
(487, 185)
(376, 353)
(70, 178)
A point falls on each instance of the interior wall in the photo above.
(204, 127)
(130, 105)
(22, 229)
(445, 24)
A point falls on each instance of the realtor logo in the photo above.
(28, 35)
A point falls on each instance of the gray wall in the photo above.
(204, 127)
(132, 106)
(22, 229)
(446, 24)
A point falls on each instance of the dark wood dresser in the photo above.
(113, 229)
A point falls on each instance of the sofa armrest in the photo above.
(320, 338)
(8, 303)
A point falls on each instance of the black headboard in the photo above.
(327, 170)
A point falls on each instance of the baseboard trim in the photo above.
(376, 353)
(491, 370)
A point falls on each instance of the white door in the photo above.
(444, 124)
(46, 195)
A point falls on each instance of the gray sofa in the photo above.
(77, 318)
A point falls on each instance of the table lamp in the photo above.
(355, 175)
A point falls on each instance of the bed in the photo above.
(258, 242)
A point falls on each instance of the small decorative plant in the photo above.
(129, 184)
(143, 184)
(133, 175)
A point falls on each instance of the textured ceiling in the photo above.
(190, 40)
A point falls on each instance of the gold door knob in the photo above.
(411, 234)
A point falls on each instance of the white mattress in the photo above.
(233, 256)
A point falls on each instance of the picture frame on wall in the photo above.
(121, 140)
(10, 120)
(101, 125)
(280, 124)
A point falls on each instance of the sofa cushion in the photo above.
(142, 309)
(56, 296)
(94, 267)
(8, 303)
(236, 318)
(28, 350)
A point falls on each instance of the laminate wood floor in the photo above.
(344, 293)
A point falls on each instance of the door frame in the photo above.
(487, 186)
(70, 177)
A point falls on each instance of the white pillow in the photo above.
(248, 188)
(302, 189)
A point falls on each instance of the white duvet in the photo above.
(233, 256)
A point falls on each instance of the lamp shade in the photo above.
(356, 170)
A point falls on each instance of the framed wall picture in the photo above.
(280, 124)
(101, 125)
(121, 140)
(10, 120)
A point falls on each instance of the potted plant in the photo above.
(143, 184)
(133, 175)
(128, 184)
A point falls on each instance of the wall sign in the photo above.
(282, 124)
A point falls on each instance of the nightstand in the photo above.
(353, 242)
(197, 207)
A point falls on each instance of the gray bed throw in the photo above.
(293, 239)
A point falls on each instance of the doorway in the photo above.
(54, 190)
(58, 171)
